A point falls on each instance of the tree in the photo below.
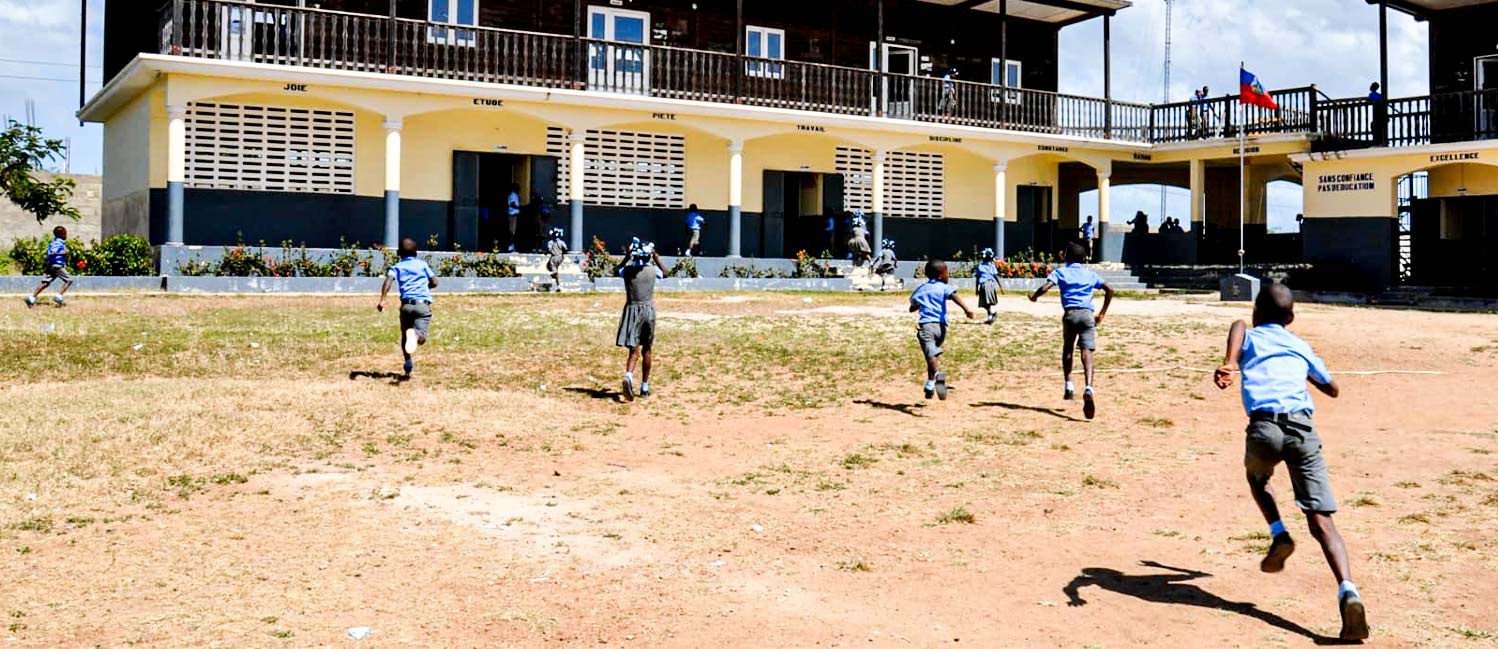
(22, 151)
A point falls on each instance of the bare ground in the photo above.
(229, 484)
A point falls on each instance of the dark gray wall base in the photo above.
(1348, 253)
(219, 217)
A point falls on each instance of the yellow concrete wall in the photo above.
(429, 140)
(968, 182)
(130, 163)
(1477, 179)
(791, 152)
(1036, 171)
(369, 134)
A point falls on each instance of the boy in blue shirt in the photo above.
(56, 268)
(415, 280)
(1078, 324)
(694, 230)
(930, 301)
(989, 287)
(1276, 365)
(640, 269)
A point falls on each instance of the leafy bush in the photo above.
(599, 262)
(808, 267)
(477, 265)
(684, 267)
(122, 255)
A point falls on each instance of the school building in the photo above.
(368, 120)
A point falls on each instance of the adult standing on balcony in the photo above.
(1380, 114)
(1208, 115)
(1194, 115)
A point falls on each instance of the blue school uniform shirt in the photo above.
(57, 252)
(930, 300)
(695, 221)
(1087, 229)
(1077, 282)
(513, 204)
(1275, 364)
(412, 275)
(987, 272)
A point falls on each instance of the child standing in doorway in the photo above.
(1078, 324)
(930, 301)
(1276, 365)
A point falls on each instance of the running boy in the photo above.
(695, 221)
(416, 281)
(989, 288)
(1078, 324)
(56, 268)
(1276, 366)
(556, 248)
(930, 301)
(640, 268)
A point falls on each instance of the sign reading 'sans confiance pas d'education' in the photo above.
(1360, 182)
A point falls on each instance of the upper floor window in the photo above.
(453, 12)
(764, 43)
(1007, 73)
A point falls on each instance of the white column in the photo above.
(1000, 206)
(393, 182)
(577, 168)
(735, 199)
(1104, 202)
(1198, 196)
(879, 159)
(176, 173)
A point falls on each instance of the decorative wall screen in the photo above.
(625, 168)
(857, 168)
(270, 148)
(914, 184)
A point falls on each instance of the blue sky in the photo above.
(1288, 43)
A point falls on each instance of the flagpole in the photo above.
(1242, 175)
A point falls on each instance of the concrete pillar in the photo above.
(1104, 203)
(578, 168)
(1198, 196)
(393, 183)
(176, 172)
(1000, 206)
(735, 199)
(879, 159)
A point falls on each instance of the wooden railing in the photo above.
(233, 30)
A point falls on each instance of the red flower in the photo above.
(82, 264)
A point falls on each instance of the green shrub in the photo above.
(685, 267)
(120, 255)
(599, 262)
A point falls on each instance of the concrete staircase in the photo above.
(533, 268)
(1122, 279)
(865, 280)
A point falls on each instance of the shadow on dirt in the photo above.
(1015, 406)
(912, 409)
(1169, 588)
(395, 378)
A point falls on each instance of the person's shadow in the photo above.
(598, 393)
(395, 378)
(912, 409)
(1015, 406)
(1170, 588)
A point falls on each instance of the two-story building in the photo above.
(367, 120)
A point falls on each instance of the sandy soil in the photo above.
(504, 515)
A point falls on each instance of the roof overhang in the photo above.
(1059, 12)
(1422, 9)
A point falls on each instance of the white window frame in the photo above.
(1006, 92)
(448, 36)
(760, 68)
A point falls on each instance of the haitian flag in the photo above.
(1251, 92)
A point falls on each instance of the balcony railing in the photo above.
(234, 30)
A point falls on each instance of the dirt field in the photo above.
(241, 472)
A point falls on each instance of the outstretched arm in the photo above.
(965, 308)
(1107, 302)
(1041, 291)
(384, 293)
(1223, 377)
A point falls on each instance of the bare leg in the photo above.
(1332, 546)
(1087, 366)
(933, 365)
(634, 355)
(41, 287)
(644, 366)
(65, 286)
(1066, 353)
(1264, 498)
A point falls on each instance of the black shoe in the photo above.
(644, 392)
(1354, 618)
(1069, 394)
(930, 392)
(1089, 406)
(1280, 549)
(941, 385)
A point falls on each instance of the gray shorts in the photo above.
(696, 239)
(554, 262)
(988, 294)
(1079, 328)
(1291, 439)
(637, 326)
(56, 272)
(931, 336)
(416, 316)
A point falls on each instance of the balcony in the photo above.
(314, 38)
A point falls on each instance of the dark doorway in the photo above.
(1033, 215)
(803, 211)
(482, 183)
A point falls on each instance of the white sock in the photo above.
(1071, 387)
(931, 385)
(1276, 528)
(1089, 390)
(645, 386)
(629, 376)
(1347, 587)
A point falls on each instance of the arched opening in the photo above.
(1284, 206)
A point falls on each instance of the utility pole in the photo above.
(1165, 90)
